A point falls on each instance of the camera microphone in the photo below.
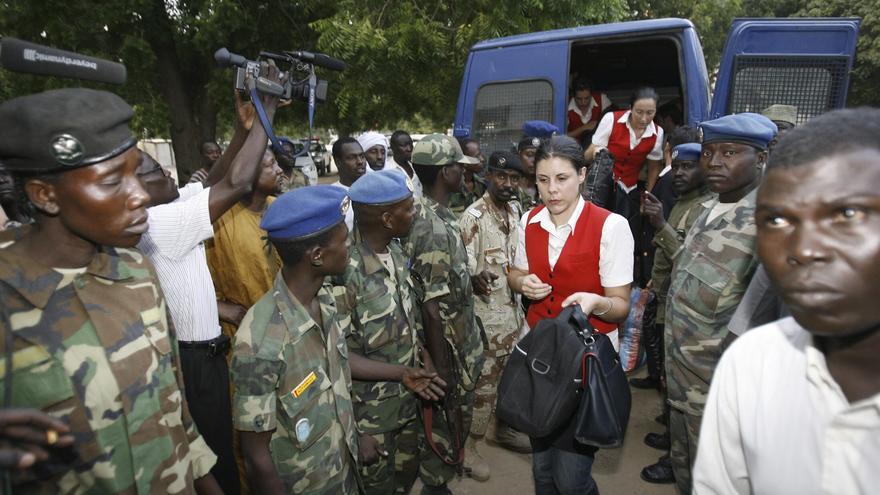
(31, 58)
(319, 59)
(225, 58)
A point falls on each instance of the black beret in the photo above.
(503, 160)
(63, 129)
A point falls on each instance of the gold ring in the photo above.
(51, 437)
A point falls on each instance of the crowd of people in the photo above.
(249, 333)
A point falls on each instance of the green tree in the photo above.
(406, 57)
(167, 47)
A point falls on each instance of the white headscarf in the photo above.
(372, 138)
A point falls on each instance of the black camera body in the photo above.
(292, 61)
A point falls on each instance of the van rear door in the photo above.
(803, 62)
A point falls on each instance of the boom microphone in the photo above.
(31, 58)
(319, 59)
(225, 58)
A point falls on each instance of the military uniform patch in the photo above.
(304, 384)
(303, 429)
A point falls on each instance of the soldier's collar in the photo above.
(37, 282)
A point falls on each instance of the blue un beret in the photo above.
(384, 187)
(745, 128)
(305, 211)
(539, 129)
(687, 152)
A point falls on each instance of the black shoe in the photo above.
(659, 441)
(646, 383)
(662, 419)
(660, 472)
(436, 490)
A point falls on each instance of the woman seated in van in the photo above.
(573, 252)
(634, 140)
(585, 109)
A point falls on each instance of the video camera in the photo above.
(299, 61)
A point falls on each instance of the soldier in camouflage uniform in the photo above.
(383, 345)
(452, 335)
(473, 184)
(294, 177)
(289, 369)
(89, 341)
(712, 270)
(490, 229)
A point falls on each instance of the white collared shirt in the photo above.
(585, 116)
(615, 247)
(777, 422)
(175, 245)
(603, 134)
(417, 184)
(349, 213)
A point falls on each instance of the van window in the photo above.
(812, 84)
(501, 109)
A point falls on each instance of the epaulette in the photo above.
(475, 212)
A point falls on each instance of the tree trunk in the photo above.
(186, 136)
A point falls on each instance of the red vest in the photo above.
(576, 270)
(574, 118)
(628, 162)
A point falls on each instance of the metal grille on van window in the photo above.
(501, 109)
(812, 84)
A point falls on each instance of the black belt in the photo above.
(215, 347)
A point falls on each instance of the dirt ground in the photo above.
(616, 471)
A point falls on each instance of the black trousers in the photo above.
(206, 379)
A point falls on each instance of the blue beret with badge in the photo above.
(63, 129)
(744, 128)
(305, 212)
(539, 129)
(528, 142)
(687, 152)
(384, 187)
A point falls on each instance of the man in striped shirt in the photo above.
(180, 220)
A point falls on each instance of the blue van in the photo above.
(804, 62)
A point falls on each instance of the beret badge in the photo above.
(344, 206)
(67, 150)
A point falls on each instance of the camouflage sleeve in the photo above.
(255, 378)
(668, 241)
(470, 230)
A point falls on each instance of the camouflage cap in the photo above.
(440, 150)
(781, 113)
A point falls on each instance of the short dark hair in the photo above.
(683, 134)
(396, 134)
(564, 147)
(463, 142)
(337, 146)
(581, 84)
(829, 134)
(22, 200)
(292, 252)
(427, 174)
(642, 93)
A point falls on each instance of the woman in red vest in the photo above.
(573, 252)
(584, 111)
(634, 140)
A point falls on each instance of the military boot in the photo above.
(475, 464)
(512, 439)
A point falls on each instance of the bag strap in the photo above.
(580, 320)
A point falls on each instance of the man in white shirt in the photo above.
(179, 223)
(794, 406)
(402, 150)
(348, 154)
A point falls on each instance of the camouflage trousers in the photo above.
(397, 472)
(684, 431)
(486, 392)
(432, 470)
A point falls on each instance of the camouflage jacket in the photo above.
(295, 180)
(527, 201)
(711, 275)
(490, 238)
(95, 349)
(439, 265)
(670, 238)
(292, 376)
(459, 201)
(382, 311)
